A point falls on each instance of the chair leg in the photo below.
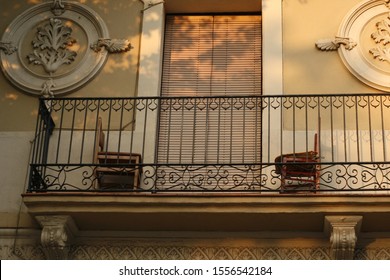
(317, 178)
(283, 178)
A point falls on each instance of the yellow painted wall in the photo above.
(117, 78)
(306, 69)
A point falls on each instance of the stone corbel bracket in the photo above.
(112, 45)
(57, 235)
(8, 48)
(334, 44)
(343, 231)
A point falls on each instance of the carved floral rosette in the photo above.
(46, 49)
(368, 25)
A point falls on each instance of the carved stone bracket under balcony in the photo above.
(343, 232)
(57, 235)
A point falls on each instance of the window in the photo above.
(217, 60)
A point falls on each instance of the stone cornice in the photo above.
(263, 203)
(208, 212)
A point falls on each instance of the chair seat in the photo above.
(118, 157)
(305, 163)
(115, 169)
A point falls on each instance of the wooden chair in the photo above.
(302, 168)
(115, 170)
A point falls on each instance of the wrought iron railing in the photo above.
(216, 143)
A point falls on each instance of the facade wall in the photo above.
(117, 78)
(306, 70)
(291, 65)
(18, 111)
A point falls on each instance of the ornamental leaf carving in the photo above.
(51, 46)
(382, 38)
(383, 33)
(383, 54)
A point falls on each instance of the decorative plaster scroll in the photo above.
(51, 46)
(112, 45)
(57, 235)
(8, 48)
(57, 8)
(55, 43)
(343, 235)
(332, 45)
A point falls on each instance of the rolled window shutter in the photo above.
(207, 56)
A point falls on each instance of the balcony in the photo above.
(185, 163)
(211, 144)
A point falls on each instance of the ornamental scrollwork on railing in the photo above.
(382, 38)
(210, 177)
(334, 44)
(8, 48)
(51, 46)
(112, 45)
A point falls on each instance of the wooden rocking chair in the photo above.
(302, 168)
(115, 170)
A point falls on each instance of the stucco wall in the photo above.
(306, 69)
(18, 111)
(117, 78)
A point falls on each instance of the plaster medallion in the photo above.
(368, 24)
(46, 49)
